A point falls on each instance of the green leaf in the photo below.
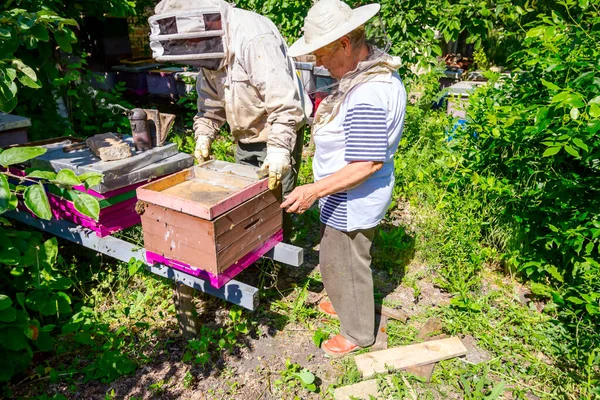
(589, 248)
(584, 4)
(36, 201)
(17, 155)
(594, 110)
(87, 205)
(537, 31)
(4, 194)
(64, 41)
(13, 338)
(572, 151)
(51, 251)
(553, 271)
(595, 100)
(48, 175)
(5, 302)
(40, 32)
(575, 300)
(27, 81)
(305, 376)
(27, 75)
(550, 85)
(10, 256)
(91, 178)
(551, 151)
(67, 177)
(579, 143)
(8, 315)
(5, 33)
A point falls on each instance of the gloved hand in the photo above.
(278, 163)
(202, 151)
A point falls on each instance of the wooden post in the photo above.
(187, 315)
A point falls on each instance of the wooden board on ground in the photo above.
(391, 312)
(363, 390)
(381, 337)
(432, 325)
(407, 356)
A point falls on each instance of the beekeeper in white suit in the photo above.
(246, 80)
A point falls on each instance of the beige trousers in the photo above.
(345, 260)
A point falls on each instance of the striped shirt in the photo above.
(367, 128)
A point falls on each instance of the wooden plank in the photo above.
(365, 390)
(167, 216)
(161, 184)
(187, 237)
(247, 243)
(432, 325)
(243, 211)
(391, 312)
(233, 291)
(369, 364)
(180, 252)
(249, 226)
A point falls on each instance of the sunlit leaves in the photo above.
(36, 201)
(17, 155)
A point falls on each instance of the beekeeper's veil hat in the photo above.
(191, 32)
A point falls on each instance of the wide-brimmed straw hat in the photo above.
(327, 21)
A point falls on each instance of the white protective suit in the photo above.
(256, 90)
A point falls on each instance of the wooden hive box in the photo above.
(209, 218)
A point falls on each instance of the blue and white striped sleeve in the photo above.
(365, 128)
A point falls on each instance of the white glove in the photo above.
(202, 151)
(278, 163)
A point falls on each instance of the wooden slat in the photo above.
(231, 219)
(247, 243)
(248, 226)
(161, 184)
(164, 216)
(170, 233)
(406, 356)
(180, 252)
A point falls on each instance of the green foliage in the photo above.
(531, 146)
(294, 374)
(212, 341)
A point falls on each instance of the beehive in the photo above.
(209, 217)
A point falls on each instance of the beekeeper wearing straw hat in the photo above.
(356, 132)
(247, 79)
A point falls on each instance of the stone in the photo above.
(108, 147)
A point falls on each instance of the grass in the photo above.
(428, 246)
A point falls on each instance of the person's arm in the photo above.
(366, 137)
(271, 73)
(346, 178)
(211, 111)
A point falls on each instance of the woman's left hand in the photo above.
(300, 199)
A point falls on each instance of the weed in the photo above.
(294, 375)
(188, 380)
